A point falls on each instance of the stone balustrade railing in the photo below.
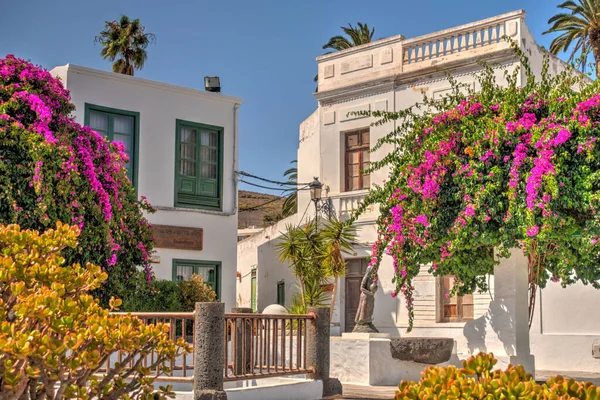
(463, 38)
(345, 204)
(397, 55)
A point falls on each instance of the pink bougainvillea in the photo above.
(52, 168)
(507, 167)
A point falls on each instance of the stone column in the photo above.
(509, 309)
(240, 337)
(317, 350)
(209, 321)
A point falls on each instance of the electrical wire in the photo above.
(260, 205)
(305, 210)
(270, 188)
(289, 183)
(264, 187)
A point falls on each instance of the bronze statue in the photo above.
(366, 304)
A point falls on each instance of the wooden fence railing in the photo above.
(262, 345)
(182, 326)
(254, 345)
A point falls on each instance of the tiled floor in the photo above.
(578, 376)
(361, 392)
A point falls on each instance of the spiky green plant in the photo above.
(316, 255)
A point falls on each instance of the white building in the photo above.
(182, 144)
(393, 74)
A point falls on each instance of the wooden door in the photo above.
(352, 299)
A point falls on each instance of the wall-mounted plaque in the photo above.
(177, 237)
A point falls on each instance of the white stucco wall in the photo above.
(259, 251)
(370, 77)
(159, 105)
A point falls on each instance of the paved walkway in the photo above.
(577, 375)
(362, 392)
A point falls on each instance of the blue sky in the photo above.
(263, 50)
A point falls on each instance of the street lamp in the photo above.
(315, 190)
(324, 205)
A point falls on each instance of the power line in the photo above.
(289, 183)
(263, 204)
(272, 188)
(305, 210)
(266, 187)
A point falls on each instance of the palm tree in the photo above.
(581, 26)
(125, 41)
(357, 35)
(290, 205)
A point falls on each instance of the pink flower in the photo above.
(469, 211)
(533, 231)
(422, 219)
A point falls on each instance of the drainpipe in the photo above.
(236, 106)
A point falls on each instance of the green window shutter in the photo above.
(187, 182)
(117, 126)
(209, 150)
(210, 271)
(199, 173)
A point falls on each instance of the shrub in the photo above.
(477, 380)
(53, 169)
(154, 296)
(55, 337)
(193, 291)
(159, 295)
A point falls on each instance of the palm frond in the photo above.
(578, 30)
(126, 40)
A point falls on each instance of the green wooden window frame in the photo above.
(192, 189)
(281, 293)
(253, 290)
(111, 113)
(197, 265)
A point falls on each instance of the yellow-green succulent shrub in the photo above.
(55, 338)
(478, 380)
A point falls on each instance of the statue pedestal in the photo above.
(365, 335)
(377, 359)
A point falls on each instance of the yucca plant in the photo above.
(316, 255)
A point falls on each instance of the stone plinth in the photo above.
(366, 359)
(365, 335)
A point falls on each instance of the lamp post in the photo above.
(321, 205)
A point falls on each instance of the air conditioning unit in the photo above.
(596, 348)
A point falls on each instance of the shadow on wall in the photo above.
(502, 323)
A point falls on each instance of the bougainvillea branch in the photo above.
(477, 174)
(53, 169)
